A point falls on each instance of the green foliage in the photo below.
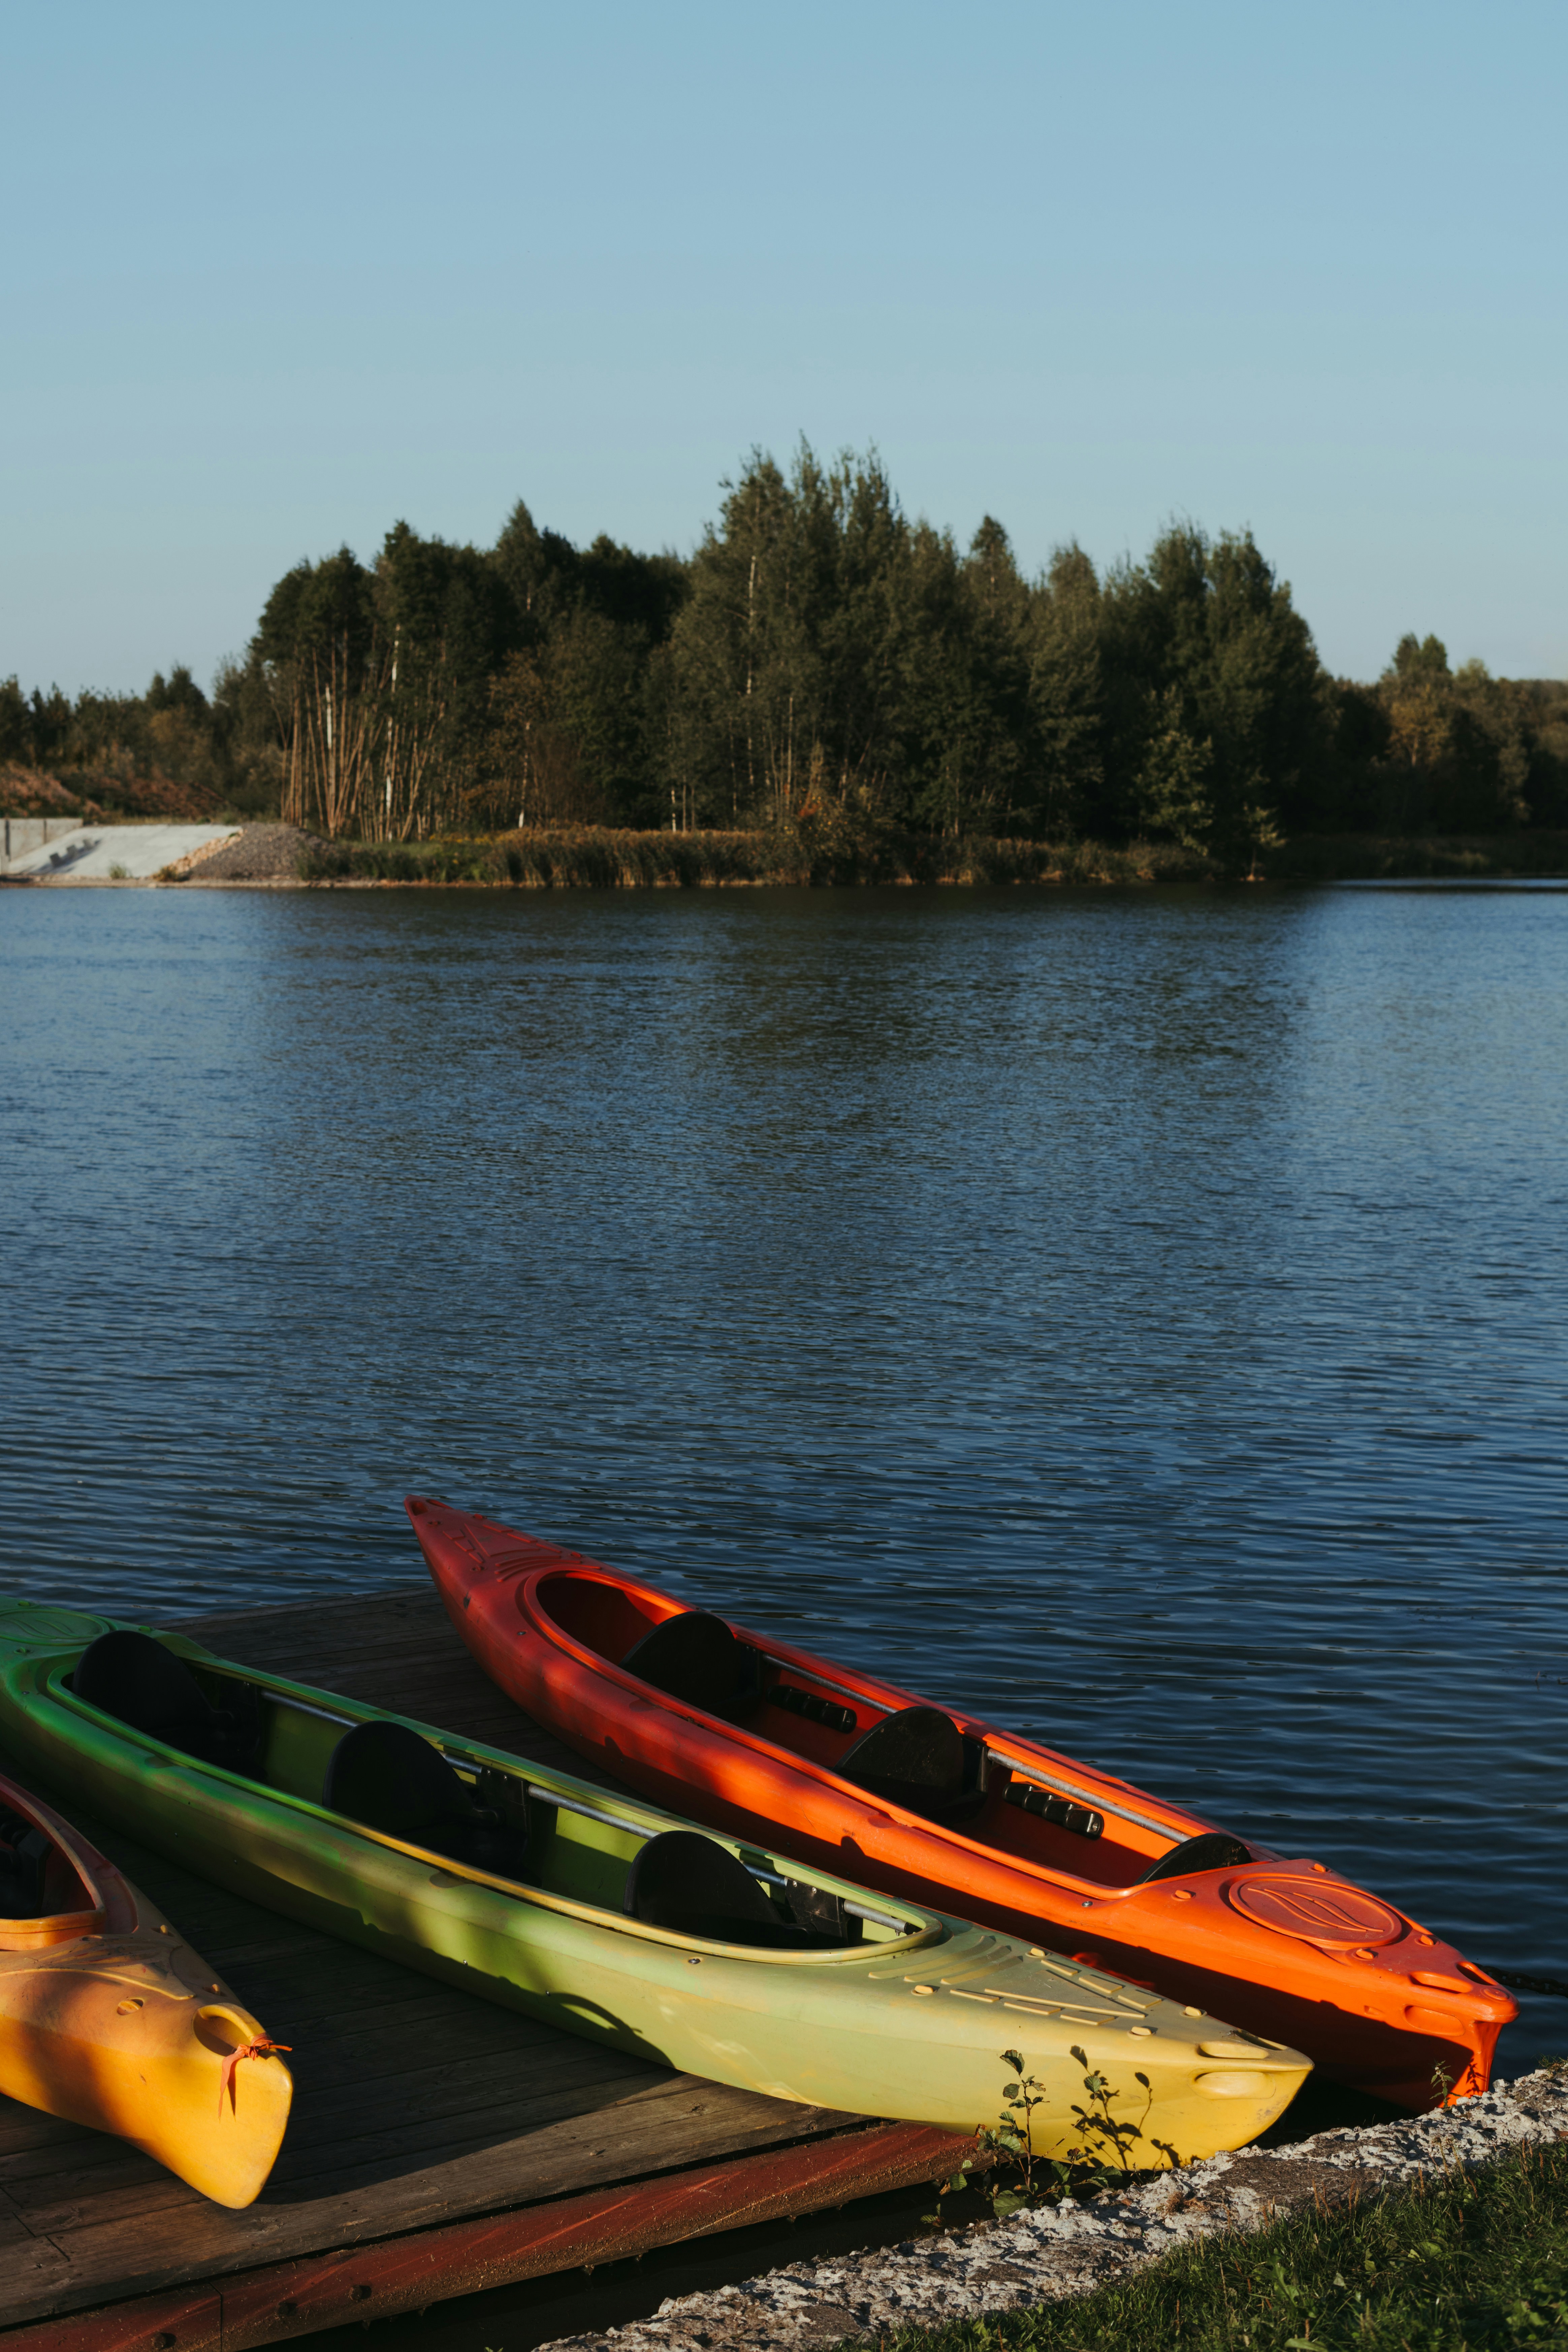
(824, 668)
(16, 728)
(1460, 2263)
(1214, 714)
(1430, 748)
(606, 858)
(1110, 2146)
(1106, 2136)
(1018, 2176)
(316, 608)
(1172, 790)
(1473, 857)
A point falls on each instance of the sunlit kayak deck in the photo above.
(439, 2144)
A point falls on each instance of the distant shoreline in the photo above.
(273, 856)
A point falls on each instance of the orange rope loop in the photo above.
(256, 2049)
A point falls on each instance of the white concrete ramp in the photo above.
(117, 852)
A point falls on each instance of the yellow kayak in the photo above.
(107, 2018)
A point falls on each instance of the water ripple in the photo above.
(1137, 1317)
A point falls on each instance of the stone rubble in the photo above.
(1068, 2249)
(258, 853)
(180, 867)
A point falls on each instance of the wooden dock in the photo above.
(438, 2144)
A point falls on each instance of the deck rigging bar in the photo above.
(1063, 1787)
(636, 1829)
(1083, 1796)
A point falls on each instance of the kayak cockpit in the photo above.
(915, 1757)
(48, 1891)
(26, 1851)
(39, 1879)
(502, 1823)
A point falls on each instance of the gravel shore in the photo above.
(263, 853)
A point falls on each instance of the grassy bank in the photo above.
(1462, 2263)
(1536, 854)
(606, 858)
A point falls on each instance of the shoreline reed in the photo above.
(612, 857)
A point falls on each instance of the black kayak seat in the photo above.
(1212, 1850)
(689, 1885)
(385, 1777)
(134, 1678)
(692, 1656)
(918, 1758)
(24, 1850)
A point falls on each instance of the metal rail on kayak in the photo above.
(596, 1813)
(588, 1813)
(771, 1877)
(812, 1676)
(1015, 1763)
(1088, 1796)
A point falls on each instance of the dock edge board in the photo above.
(280, 2301)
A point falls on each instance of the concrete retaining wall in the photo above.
(19, 836)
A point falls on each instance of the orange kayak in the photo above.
(762, 1740)
(107, 2018)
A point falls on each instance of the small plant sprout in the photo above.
(946, 2188)
(1020, 2176)
(1015, 2134)
(1115, 2135)
(1010, 2143)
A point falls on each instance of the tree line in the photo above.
(820, 655)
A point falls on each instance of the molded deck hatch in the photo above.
(1318, 1910)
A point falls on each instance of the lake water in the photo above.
(1138, 1316)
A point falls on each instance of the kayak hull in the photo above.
(107, 2018)
(910, 2025)
(1284, 1948)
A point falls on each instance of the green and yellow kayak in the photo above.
(599, 1914)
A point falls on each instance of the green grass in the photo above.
(1460, 2263)
(608, 857)
(1454, 858)
(570, 858)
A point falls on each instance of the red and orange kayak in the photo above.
(762, 1740)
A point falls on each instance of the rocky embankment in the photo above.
(260, 853)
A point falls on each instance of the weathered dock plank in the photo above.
(438, 2142)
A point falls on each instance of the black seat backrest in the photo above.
(918, 1758)
(680, 1876)
(386, 1777)
(1212, 1850)
(692, 1656)
(691, 1887)
(24, 1850)
(134, 1678)
(918, 1745)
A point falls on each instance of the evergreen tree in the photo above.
(1216, 709)
(822, 662)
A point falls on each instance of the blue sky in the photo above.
(273, 279)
